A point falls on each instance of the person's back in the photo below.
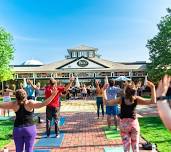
(30, 91)
(24, 118)
(128, 109)
(111, 93)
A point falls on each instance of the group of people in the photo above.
(24, 131)
(128, 101)
(81, 92)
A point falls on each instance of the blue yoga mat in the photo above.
(41, 150)
(52, 141)
(61, 122)
(4, 118)
(115, 149)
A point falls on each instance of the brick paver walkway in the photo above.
(83, 131)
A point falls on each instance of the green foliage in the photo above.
(5, 132)
(160, 50)
(6, 54)
(153, 130)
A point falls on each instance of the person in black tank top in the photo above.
(129, 126)
(24, 131)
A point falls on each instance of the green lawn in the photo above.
(5, 132)
(153, 130)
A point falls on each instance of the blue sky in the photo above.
(44, 29)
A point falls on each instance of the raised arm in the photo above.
(7, 105)
(69, 84)
(36, 104)
(162, 104)
(33, 86)
(144, 101)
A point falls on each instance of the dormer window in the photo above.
(74, 54)
(82, 50)
(91, 54)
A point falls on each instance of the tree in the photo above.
(6, 55)
(160, 50)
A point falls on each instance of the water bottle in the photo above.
(153, 147)
(5, 149)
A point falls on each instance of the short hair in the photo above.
(111, 82)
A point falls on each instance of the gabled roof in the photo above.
(106, 64)
(82, 48)
(90, 59)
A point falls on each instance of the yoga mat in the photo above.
(4, 118)
(61, 122)
(41, 150)
(114, 149)
(52, 141)
(111, 133)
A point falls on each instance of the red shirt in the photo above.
(56, 100)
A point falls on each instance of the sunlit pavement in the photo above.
(83, 132)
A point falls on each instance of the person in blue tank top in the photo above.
(30, 89)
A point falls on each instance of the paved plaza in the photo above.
(82, 130)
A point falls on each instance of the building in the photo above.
(82, 61)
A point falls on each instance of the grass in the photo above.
(111, 133)
(153, 130)
(6, 127)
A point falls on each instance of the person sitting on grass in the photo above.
(24, 131)
(129, 126)
(163, 96)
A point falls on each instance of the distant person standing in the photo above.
(37, 90)
(99, 98)
(6, 96)
(53, 108)
(84, 92)
(112, 110)
(30, 89)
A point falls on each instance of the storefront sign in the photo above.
(82, 63)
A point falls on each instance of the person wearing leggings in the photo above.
(24, 131)
(99, 98)
(129, 126)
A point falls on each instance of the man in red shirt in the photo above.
(53, 108)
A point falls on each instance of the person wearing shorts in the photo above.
(111, 93)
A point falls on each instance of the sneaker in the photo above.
(57, 136)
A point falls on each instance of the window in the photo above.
(79, 54)
(74, 54)
(91, 54)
